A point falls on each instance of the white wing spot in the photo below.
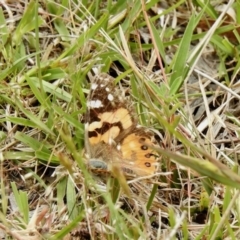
(107, 89)
(94, 86)
(118, 147)
(110, 141)
(110, 97)
(94, 104)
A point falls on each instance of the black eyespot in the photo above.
(147, 164)
(144, 147)
(148, 155)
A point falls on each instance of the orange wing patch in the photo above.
(136, 151)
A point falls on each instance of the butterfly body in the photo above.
(113, 137)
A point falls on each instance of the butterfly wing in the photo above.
(111, 133)
(137, 152)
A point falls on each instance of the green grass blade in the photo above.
(180, 60)
(25, 25)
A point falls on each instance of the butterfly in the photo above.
(113, 137)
